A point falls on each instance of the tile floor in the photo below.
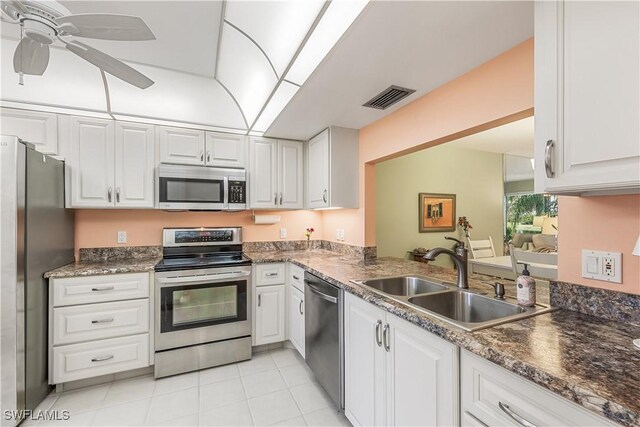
(273, 388)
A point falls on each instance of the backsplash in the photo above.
(119, 253)
(603, 303)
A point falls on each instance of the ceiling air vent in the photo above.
(388, 97)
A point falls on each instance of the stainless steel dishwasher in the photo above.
(324, 340)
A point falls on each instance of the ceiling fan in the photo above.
(44, 22)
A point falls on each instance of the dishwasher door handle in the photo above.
(322, 295)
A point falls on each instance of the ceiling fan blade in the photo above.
(13, 8)
(31, 57)
(110, 64)
(106, 26)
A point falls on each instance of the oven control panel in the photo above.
(237, 193)
(201, 236)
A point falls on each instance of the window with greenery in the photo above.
(521, 208)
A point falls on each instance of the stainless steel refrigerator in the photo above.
(36, 235)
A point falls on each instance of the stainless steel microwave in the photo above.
(200, 188)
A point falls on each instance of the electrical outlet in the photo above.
(122, 237)
(338, 234)
(342, 234)
(283, 233)
(601, 265)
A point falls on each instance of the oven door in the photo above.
(191, 187)
(200, 306)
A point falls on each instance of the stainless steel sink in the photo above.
(403, 286)
(463, 308)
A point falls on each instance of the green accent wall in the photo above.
(475, 177)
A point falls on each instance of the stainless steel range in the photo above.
(202, 300)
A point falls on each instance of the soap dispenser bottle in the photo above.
(526, 288)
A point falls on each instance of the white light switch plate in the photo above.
(283, 233)
(602, 265)
(122, 237)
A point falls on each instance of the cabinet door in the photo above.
(225, 150)
(290, 175)
(422, 377)
(92, 163)
(296, 319)
(263, 177)
(135, 156)
(40, 129)
(270, 314)
(181, 146)
(587, 95)
(364, 363)
(318, 171)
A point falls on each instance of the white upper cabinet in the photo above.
(181, 146)
(587, 97)
(111, 164)
(275, 174)
(290, 163)
(91, 162)
(134, 165)
(225, 150)
(38, 128)
(333, 169)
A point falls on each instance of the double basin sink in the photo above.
(460, 307)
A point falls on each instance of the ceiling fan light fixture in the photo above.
(38, 32)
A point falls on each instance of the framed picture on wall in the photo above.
(436, 212)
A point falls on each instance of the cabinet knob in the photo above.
(548, 158)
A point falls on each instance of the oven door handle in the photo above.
(203, 278)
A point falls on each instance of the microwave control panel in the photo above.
(237, 193)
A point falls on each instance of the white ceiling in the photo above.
(415, 44)
(515, 138)
(419, 45)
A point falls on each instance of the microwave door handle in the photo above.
(225, 195)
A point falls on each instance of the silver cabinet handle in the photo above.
(275, 198)
(296, 277)
(378, 337)
(117, 194)
(109, 320)
(515, 417)
(281, 198)
(109, 193)
(202, 156)
(300, 307)
(548, 158)
(271, 274)
(385, 336)
(324, 196)
(102, 358)
(259, 299)
(208, 156)
(104, 288)
(476, 419)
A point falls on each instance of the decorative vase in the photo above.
(308, 244)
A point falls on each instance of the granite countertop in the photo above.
(585, 359)
(96, 268)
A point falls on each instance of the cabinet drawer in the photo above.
(98, 321)
(108, 287)
(77, 361)
(269, 274)
(296, 275)
(486, 387)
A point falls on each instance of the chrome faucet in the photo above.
(459, 258)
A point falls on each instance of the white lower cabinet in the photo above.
(269, 314)
(98, 325)
(296, 319)
(492, 396)
(395, 372)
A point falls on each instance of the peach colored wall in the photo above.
(99, 228)
(498, 91)
(608, 223)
